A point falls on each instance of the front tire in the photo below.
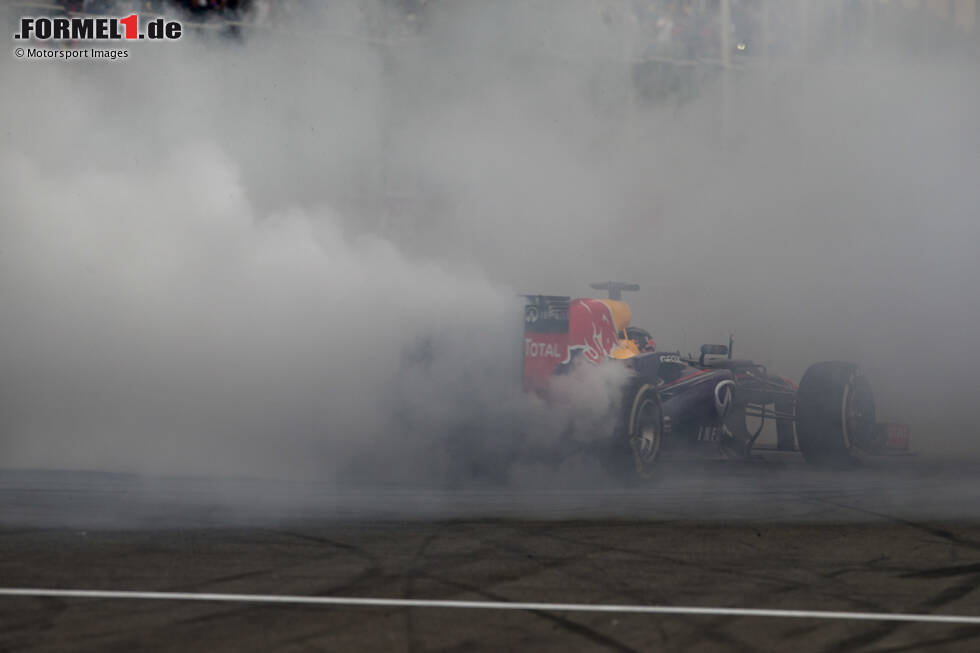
(835, 414)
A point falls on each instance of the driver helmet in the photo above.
(642, 338)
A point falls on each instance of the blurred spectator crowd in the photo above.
(193, 9)
(677, 30)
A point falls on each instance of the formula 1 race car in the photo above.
(673, 401)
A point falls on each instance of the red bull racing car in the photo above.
(710, 401)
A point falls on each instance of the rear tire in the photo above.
(645, 430)
(634, 450)
(835, 414)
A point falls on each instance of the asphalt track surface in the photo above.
(896, 536)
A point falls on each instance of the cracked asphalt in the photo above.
(896, 536)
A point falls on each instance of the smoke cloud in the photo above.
(299, 254)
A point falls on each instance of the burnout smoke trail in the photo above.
(219, 262)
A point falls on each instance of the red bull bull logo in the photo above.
(554, 327)
(591, 329)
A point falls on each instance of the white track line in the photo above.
(490, 605)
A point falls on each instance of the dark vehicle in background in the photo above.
(710, 402)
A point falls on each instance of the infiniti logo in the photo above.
(723, 397)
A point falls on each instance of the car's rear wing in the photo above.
(545, 338)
